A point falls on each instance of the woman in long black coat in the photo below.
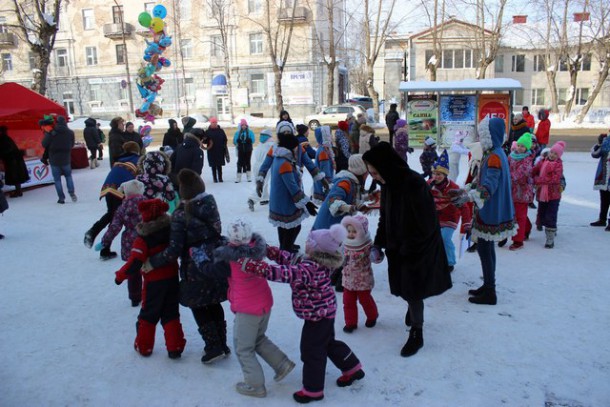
(217, 149)
(409, 231)
(15, 170)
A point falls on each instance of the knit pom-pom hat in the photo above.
(239, 231)
(558, 148)
(131, 188)
(151, 209)
(356, 165)
(328, 241)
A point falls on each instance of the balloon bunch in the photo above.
(148, 82)
(144, 132)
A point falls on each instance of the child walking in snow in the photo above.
(521, 162)
(313, 300)
(358, 280)
(547, 178)
(448, 214)
(428, 157)
(127, 216)
(251, 301)
(160, 284)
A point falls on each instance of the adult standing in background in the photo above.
(91, 135)
(173, 137)
(529, 119)
(543, 132)
(59, 143)
(116, 139)
(15, 170)
(188, 123)
(188, 154)
(243, 140)
(390, 121)
(409, 231)
(601, 151)
(132, 135)
(217, 149)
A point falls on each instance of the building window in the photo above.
(215, 45)
(458, 59)
(499, 64)
(429, 55)
(538, 97)
(189, 88)
(254, 6)
(518, 97)
(95, 92)
(117, 14)
(185, 9)
(120, 54)
(256, 44)
(468, 62)
(148, 7)
(61, 57)
(563, 64)
(91, 54)
(7, 62)
(3, 27)
(585, 64)
(257, 84)
(88, 19)
(32, 60)
(186, 47)
(539, 63)
(447, 59)
(518, 64)
(562, 95)
(582, 94)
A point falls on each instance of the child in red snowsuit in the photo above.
(160, 292)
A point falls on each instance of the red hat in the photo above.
(343, 125)
(152, 208)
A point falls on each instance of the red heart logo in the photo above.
(40, 172)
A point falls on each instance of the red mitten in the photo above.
(273, 252)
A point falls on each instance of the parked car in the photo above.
(331, 115)
(363, 101)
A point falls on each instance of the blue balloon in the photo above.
(159, 11)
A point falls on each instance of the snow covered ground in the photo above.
(67, 331)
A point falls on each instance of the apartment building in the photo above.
(88, 72)
(406, 57)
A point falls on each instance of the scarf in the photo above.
(518, 157)
(546, 168)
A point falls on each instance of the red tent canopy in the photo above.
(20, 111)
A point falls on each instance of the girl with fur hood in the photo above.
(251, 301)
(313, 300)
(358, 280)
(154, 168)
(127, 216)
(196, 223)
(160, 283)
(325, 161)
(547, 178)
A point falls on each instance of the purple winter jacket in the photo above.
(126, 216)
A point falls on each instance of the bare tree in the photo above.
(600, 25)
(377, 28)
(437, 14)
(38, 26)
(278, 26)
(488, 41)
(221, 13)
(328, 46)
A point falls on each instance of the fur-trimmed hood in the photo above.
(154, 162)
(255, 250)
(330, 260)
(283, 152)
(346, 174)
(153, 226)
(491, 133)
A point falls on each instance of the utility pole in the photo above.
(131, 111)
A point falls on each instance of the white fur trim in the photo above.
(495, 238)
(485, 135)
(320, 176)
(475, 196)
(335, 208)
(293, 224)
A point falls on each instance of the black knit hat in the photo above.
(288, 141)
(190, 183)
(302, 129)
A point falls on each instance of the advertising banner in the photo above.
(457, 118)
(297, 87)
(495, 105)
(422, 115)
(38, 172)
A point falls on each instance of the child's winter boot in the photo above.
(303, 396)
(213, 346)
(350, 376)
(249, 176)
(174, 338)
(550, 237)
(238, 178)
(145, 339)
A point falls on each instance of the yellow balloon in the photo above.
(157, 24)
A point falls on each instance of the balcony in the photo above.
(144, 32)
(301, 15)
(114, 31)
(7, 40)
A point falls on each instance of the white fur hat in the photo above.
(133, 187)
(239, 231)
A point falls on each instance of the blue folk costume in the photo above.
(345, 190)
(494, 212)
(324, 161)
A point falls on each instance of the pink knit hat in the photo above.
(326, 240)
(243, 122)
(213, 120)
(361, 224)
(558, 148)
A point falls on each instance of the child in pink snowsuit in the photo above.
(358, 280)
